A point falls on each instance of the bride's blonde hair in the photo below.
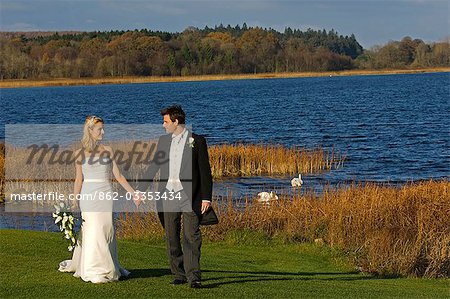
(87, 141)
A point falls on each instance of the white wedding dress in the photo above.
(95, 257)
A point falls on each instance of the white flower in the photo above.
(66, 222)
(191, 141)
(57, 209)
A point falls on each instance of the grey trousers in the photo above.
(183, 265)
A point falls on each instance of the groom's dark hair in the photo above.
(175, 112)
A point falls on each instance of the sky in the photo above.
(374, 22)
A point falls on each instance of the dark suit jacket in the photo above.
(195, 177)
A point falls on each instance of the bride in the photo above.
(95, 257)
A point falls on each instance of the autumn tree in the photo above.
(258, 49)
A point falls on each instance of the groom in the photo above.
(185, 174)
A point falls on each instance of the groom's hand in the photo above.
(206, 205)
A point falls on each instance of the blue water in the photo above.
(391, 128)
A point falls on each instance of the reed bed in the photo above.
(231, 160)
(387, 230)
(17, 83)
(226, 160)
(47, 176)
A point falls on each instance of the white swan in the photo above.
(297, 182)
(266, 196)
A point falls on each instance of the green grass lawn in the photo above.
(29, 262)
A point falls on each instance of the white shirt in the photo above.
(175, 157)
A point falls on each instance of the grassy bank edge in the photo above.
(29, 260)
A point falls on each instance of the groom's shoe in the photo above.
(178, 281)
(196, 284)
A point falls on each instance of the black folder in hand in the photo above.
(209, 217)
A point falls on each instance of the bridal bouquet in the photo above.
(66, 221)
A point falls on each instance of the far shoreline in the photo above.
(19, 83)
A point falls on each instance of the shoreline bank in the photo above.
(19, 83)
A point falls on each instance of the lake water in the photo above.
(391, 128)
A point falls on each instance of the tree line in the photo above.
(218, 50)
(407, 53)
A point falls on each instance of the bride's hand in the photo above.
(137, 198)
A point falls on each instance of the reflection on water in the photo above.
(31, 221)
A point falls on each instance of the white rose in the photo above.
(191, 141)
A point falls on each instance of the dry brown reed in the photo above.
(260, 159)
(17, 83)
(53, 173)
(226, 160)
(388, 230)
